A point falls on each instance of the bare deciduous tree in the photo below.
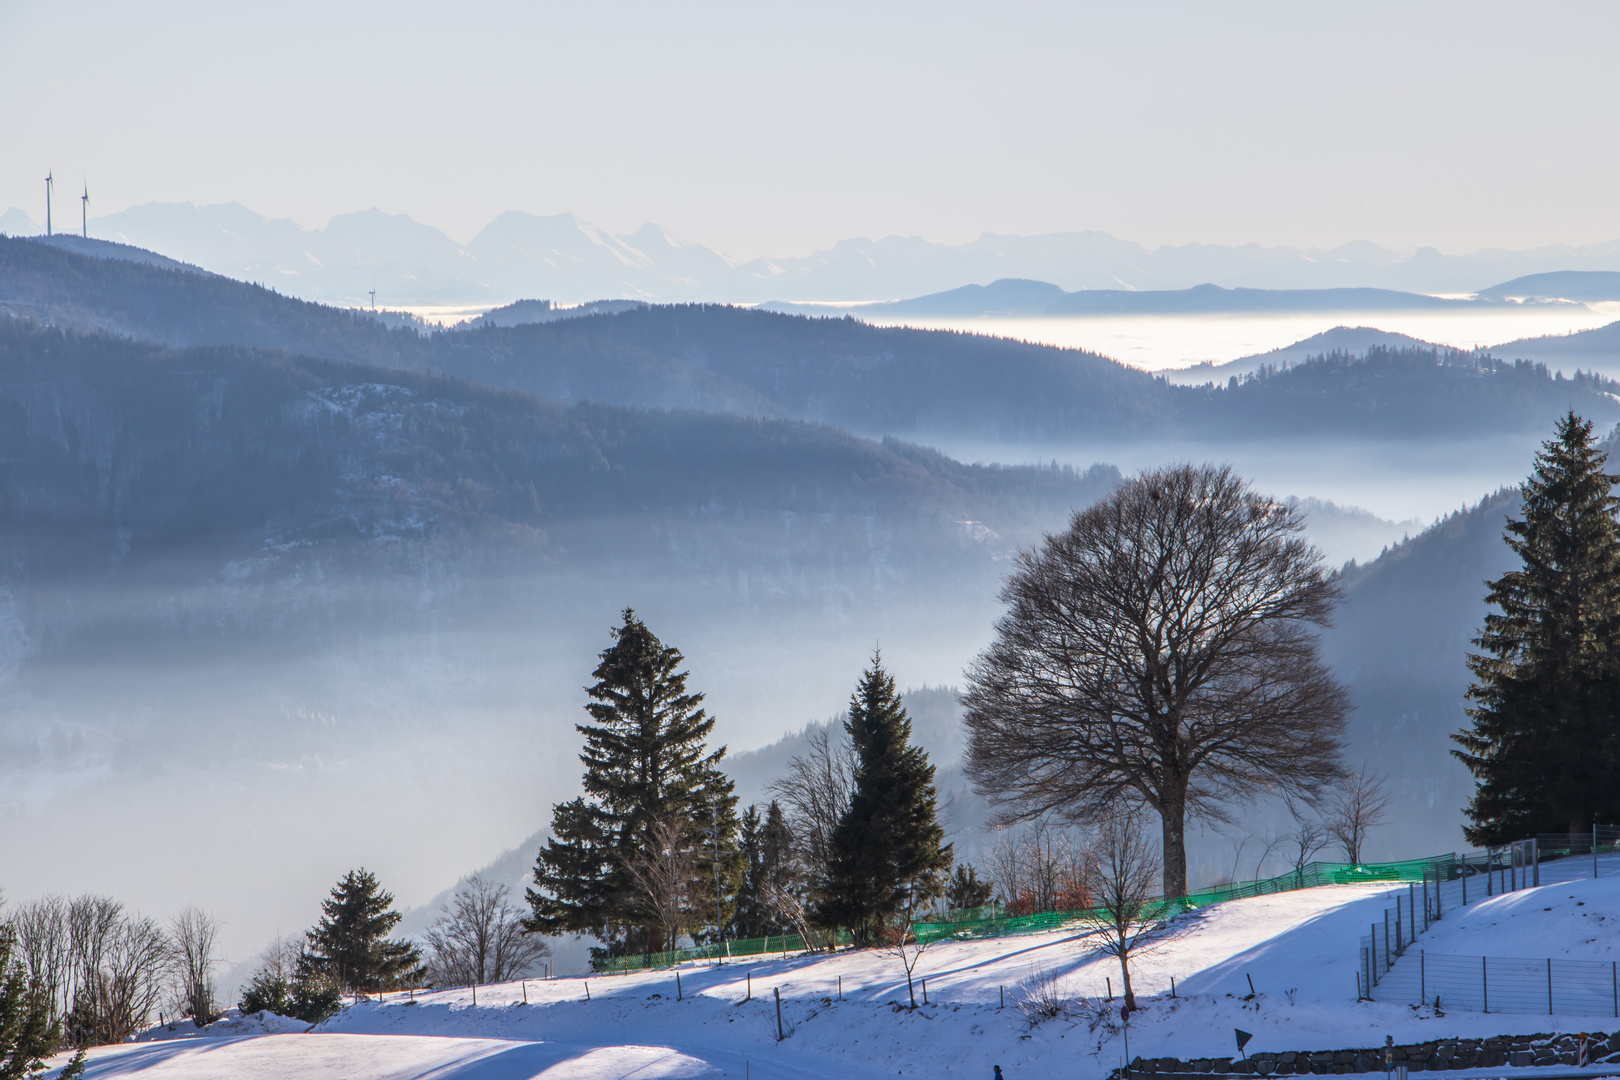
(105, 969)
(1162, 651)
(1358, 804)
(664, 873)
(1041, 867)
(480, 938)
(1124, 893)
(815, 795)
(902, 944)
(122, 961)
(193, 933)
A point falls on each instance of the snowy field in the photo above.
(1298, 948)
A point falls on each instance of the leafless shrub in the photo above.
(480, 938)
(663, 874)
(193, 933)
(1357, 804)
(1042, 996)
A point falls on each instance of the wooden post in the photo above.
(1110, 983)
(475, 993)
(779, 1035)
(925, 990)
(1003, 990)
(525, 991)
(1485, 982)
(840, 988)
(750, 996)
(587, 989)
(1172, 986)
(678, 986)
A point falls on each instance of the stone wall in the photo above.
(1509, 1050)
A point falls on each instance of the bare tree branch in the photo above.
(663, 874)
(480, 939)
(1358, 804)
(1124, 890)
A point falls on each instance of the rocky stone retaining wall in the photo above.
(1503, 1050)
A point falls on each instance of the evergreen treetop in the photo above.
(888, 851)
(351, 943)
(1542, 743)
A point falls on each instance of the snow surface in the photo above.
(1299, 948)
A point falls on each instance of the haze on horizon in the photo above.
(765, 133)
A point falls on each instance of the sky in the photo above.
(769, 128)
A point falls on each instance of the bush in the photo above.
(266, 993)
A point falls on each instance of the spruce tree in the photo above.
(1543, 736)
(887, 852)
(27, 1034)
(350, 944)
(646, 761)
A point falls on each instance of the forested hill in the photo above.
(911, 383)
(129, 449)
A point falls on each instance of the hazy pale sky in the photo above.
(769, 128)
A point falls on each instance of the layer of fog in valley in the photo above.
(1164, 342)
(1402, 485)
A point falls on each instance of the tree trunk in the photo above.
(1173, 814)
(1125, 973)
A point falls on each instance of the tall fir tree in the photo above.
(646, 761)
(1542, 742)
(888, 854)
(350, 944)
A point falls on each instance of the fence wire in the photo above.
(1391, 969)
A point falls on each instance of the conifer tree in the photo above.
(1542, 743)
(27, 1034)
(350, 944)
(646, 762)
(887, 852)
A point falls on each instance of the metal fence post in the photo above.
(1423, 978)
(1463, 877)
(1386, 938)
(1549, 986)
(1594, 852)
(1535, 860)
(1485, 983)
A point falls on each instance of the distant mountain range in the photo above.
(1016, 297)
(876, 381)
(562, 258)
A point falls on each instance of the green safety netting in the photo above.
(992, 920)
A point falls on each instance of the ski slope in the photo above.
(1298, 948)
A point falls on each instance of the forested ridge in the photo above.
(874, 380)
(182, 448)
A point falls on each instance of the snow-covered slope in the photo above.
(844, 1016)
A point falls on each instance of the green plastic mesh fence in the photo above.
(991, 920)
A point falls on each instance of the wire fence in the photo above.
(1505, 984)
(1391, 969)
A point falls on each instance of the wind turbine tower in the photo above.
(373, 299)
(49, 184)
(84, 211)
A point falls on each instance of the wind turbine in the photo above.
(84, 211)
(49, 184)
